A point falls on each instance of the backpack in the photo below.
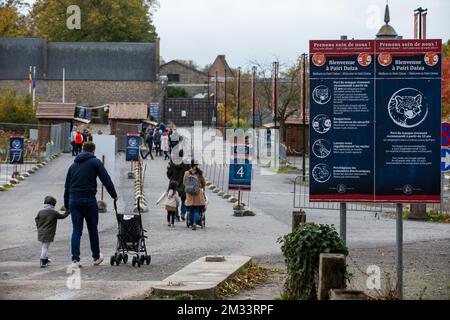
(192, 185)
(78, 138)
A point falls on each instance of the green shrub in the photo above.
(301, 250)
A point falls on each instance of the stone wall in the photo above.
(187, 76)
(91, 93)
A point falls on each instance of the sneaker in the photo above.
(169, 225)
(47, 261)
(194, 227)
(76, 264)
(173, 225)
(183, 217)
(43, 264)
(98, 261)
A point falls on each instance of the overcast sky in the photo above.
(246, 30)
(262, 30)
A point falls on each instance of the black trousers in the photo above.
(171, 217)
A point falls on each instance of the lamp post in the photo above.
(304, 55)
(253, 95)
(239, 97)
(421, 12)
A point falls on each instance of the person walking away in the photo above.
(171, 202)
(157, 141)
(78, 142)
(73, 134)
(175, 171)
(149, 143)
(46, 221)
(174, 139)
(165, 144)
(194, 185)
(79, 199)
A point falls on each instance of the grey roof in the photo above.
(119, 61)
(18, 54)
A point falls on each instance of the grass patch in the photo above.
(178, 296)
(432, 216)
(248, 278)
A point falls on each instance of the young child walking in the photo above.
(46, 221)
(171, 202)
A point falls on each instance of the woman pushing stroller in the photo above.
(194, 186)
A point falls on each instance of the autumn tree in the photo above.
(446, 88)
(12, 21)
(15, 108)
(101, 20)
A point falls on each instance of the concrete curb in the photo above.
(201, 278)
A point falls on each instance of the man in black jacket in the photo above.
(79, 199)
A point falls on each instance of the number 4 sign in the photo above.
(240, 177)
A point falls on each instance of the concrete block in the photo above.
(201, 278)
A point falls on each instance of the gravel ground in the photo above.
(426, 271)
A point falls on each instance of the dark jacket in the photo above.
(149, 138)
(176, 172)
(81, 180)
(46, 221)
(157, 136)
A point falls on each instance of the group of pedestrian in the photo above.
(186, 193)
(160, 138)
(80, 202)
(77, 138)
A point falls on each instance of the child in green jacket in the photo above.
(46, 221)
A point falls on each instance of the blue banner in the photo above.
(16, 149)
(133, 147)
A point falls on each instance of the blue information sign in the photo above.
(154, 111)
(16, 149)
(240, 176)
(133, 147)
(375, 121)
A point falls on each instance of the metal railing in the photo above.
(34, 151)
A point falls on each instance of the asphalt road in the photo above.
(171, 249)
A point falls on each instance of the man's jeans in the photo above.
(84, 209)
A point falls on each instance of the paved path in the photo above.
(171, 249)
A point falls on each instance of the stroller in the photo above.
(202, 214)
(130, 240)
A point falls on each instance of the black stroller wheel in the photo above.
(148, 259)
(134, 261)
(125, 258)
(119, 257)
(142, 260)
(111, 260)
